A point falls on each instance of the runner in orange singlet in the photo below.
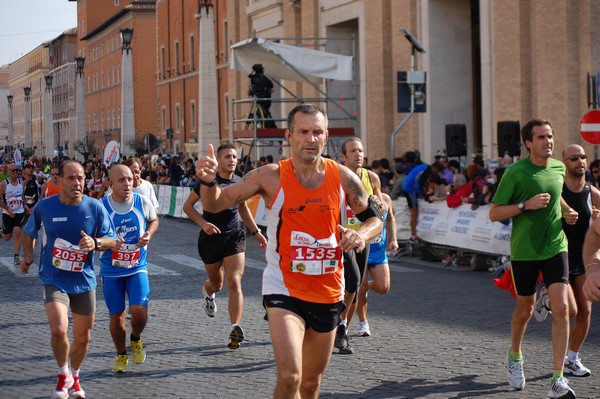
(51, 187)
(303, 280)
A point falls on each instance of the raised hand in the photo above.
(206, 167)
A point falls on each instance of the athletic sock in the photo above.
(74, 372)
(134, 338)
(572, 355)
(343, 322)
(64, 369)
(556, 374)
(515, 356)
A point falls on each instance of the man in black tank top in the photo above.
(585, 200)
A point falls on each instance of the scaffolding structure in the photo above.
(247, 125)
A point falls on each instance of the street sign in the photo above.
(589, 127)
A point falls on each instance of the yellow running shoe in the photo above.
(120, 363)
(236, 336)
(137, 352)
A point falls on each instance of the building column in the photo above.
(208, 108)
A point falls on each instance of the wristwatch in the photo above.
(522, 206)
(97, 243)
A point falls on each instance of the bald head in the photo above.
(121, 180)
(575, 161)
(572, 149)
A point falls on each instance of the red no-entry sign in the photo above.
(589, 127)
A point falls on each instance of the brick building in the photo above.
(100, 43)
(29, 71)
(62, 51)
(179, 71)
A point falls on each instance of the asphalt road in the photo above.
(439, 333)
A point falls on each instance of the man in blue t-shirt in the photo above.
(125, 271)
(75, 227)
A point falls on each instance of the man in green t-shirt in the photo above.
(530, 193)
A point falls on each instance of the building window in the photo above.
(192, 53)
(102, 80)
(176, 58)
(102, 120)
(116, 3)
(164, 119)
(193, 116)
(177, 123)
(118, 118)
(95, 121)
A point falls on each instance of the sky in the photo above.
(25, 24)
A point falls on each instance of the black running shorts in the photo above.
(525, 273)
(321, 317)
(214, 248)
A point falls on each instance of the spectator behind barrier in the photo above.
(395, 191)
(461, 193)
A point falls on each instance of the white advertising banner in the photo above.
(460, 227)
(463, 227)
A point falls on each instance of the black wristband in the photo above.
(255, 232)
(212, 183)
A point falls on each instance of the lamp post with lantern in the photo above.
(48, 119)
(11, 132)
(127, 111)
(79, 98)
(28, 138)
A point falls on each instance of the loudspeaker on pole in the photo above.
(456, 140)
(509, 138)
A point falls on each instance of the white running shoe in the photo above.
(576, 368)
(560, 389)
(363, 329)
(210, 307)
(515, 374)
(540, 312)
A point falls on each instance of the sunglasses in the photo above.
(574, 158)
(595, 171)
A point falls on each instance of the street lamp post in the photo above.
(127, 111)
(11, 133)
(27, 104)
(80, 103)
(48, 119)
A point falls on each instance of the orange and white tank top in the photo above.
(304, 260)
(52, 189)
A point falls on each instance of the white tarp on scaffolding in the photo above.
(283, 61)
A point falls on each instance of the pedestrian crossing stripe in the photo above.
(153, 269)
(179, 259)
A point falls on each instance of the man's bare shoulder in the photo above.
(264, 173)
